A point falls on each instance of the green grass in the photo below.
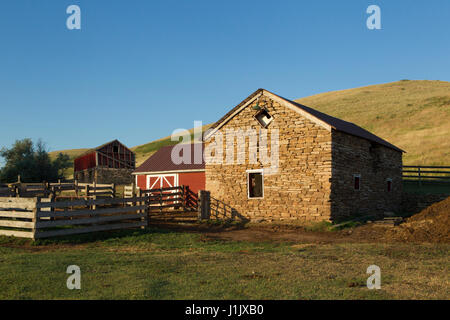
(159, 264)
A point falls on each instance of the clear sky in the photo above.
(137, 70)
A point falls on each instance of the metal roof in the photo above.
(162, 161)
(335, 123)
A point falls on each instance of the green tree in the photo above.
(31, 162)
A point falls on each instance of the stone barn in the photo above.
(111, 162)
(274, 159)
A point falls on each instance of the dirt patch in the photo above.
(430, 225)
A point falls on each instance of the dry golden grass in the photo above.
(413, 115)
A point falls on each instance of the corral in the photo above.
(48, 210)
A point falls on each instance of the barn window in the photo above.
(255, 184)
(357, 181)
(264, 118)
(115, 149)
(388, 185)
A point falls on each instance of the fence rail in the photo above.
(422, 174)
(42, 218)
(39, 217)
(57, 190)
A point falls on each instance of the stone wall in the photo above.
(375, 164)
(105, 175)
(300, 189)
(414, 203)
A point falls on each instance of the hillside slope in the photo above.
(412, 114)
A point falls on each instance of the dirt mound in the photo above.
(430, 225)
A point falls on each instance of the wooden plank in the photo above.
(158, 190)
(427, 177)
(16, 224)
(426, 167)
(422, 172)
(19, 201)
(76, 213)
(88, 202)
(103, 188)
(16, 214)
(100, 193)
(91, 220)
(23, 206)
(166, 206)
(65, 232)
(110, 185)
(20, 234)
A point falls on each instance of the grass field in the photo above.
(161, 264)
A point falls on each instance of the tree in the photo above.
(32, 163)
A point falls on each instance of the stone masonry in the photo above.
(105, 175)
(314, 180)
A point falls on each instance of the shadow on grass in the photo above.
(137, 234)
(130, 236)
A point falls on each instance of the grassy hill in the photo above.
(413, 115)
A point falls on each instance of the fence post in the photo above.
(35, 216)
(204, 207)
(114, 190)
(183, 198)
(420, 182)
(75, 183)
(186, 197)
(160, 200)
(143, 212)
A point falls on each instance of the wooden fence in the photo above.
(57, 190)
(424, 174)
(39, 217)
(169, 198)
(181, 197)
(42, 218)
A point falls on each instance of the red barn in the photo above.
(160, 171)
(111, 162)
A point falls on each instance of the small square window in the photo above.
(389, 185)
(255, 185)
(264, 118)
(115, 149)
(357, 182)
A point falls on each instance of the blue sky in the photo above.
(137, 70)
